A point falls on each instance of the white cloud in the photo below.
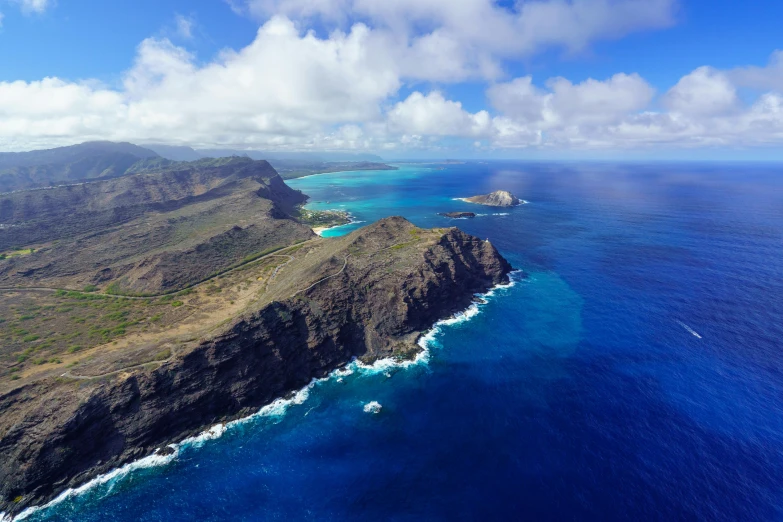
(703, 111)
(34, 6)
(451, 40)
(184, 26)
(292, 89)
(433, 115)
(705, 92)
(590, 102)
(284, 89)
(765, 78)
(1, 20)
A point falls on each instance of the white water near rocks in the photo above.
(278, 407)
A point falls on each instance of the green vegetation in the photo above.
(90, 288)
(16, 252)
(67, 322)
(323, 218)
(162, 356)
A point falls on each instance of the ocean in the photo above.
(633, 370)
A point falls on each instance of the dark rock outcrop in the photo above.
(56, 434)
(457, 215)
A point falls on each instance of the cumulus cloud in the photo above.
(702, 110)
(471, 38)
(283, 88)
(565, 103)
(705, 92)
(766, 78)
(524, 28)
(291, 88)
(433, 115)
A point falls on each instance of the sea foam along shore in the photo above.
(278, 407)
(320, 230)
(429, 338)
(351, 221)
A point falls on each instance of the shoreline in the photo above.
(277, 408)
(320, 230)
(340, 172)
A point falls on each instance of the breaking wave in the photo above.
(277, 408)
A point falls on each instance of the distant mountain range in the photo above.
(181, 153)
(91, 160)
(105, 159)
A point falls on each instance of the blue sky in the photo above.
(448, 82)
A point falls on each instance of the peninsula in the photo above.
(148, 307)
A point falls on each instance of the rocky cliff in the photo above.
(374, 293)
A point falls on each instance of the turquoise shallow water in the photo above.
(632, 372)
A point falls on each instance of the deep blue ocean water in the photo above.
(635, 372)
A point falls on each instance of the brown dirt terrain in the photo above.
(82, 334)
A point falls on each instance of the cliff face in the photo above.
(376, 296)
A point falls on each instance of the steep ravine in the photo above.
(59, 434)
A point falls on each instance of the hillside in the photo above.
(227, 348)
(147, 233)
(288, 165)
(43, 168)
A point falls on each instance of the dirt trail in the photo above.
(155, 296)
(174, 352)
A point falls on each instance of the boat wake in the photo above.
(691, 330)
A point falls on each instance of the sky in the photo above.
(567, 79)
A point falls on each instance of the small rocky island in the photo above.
(499, 198)
(457, 215)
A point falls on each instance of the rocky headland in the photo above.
(499, 198)
(370, 295)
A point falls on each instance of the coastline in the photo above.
(320, 230)
(394, 165)
(277, 408)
